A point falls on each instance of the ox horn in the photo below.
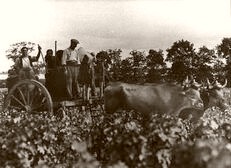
(220, 86)
(196, 84)
(225, 84)
(185, 83)
(210, 86)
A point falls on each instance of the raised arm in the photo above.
(34, 59)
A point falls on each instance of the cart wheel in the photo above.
(30, 96)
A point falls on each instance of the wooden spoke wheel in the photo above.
(30, 96)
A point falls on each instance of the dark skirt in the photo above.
(84, 76)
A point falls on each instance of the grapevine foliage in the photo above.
(117, 140)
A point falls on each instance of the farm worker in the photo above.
(87, 72)
(50, 65)
(50, 59)
(71, 63)
(24, 64)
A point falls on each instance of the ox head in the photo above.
(193, 99)
(191, 84)
(192, 93)
(193, 104)
(214, 95)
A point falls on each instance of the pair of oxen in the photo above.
(189, 99)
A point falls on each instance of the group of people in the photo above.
(77, 65)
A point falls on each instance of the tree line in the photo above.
(182, 59)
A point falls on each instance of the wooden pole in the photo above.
(55, 47)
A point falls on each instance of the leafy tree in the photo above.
(115, 57)
(218, 69)
(177, 72)
(156, 67)
(138, 65)
(228, 73)
(224, 50)
(206, 60)
(126, 71)
(183, 58)
(15, 50)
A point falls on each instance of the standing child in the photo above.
(84, 71)
(84, 77)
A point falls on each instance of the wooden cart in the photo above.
(49, 96)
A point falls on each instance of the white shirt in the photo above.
(70, 55)
(26, 62)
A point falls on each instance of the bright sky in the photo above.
(102, 24)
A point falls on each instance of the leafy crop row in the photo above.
(117, 140)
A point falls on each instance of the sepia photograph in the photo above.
(115, 83)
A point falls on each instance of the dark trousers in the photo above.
(72, 82)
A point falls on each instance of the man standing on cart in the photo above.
(24, 64)
(71, 63)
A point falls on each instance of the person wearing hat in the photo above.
(24, 64)
(71, 63)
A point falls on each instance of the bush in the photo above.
(214, 117)
(215, 124)
(210, 144)
(117, 140)
(29, 140)
(122, 139)
(202, 154)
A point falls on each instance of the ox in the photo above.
(213, 95)
(152, 98)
